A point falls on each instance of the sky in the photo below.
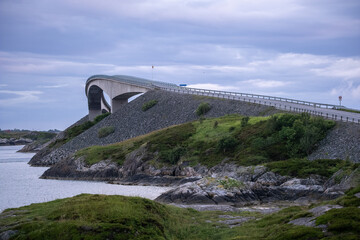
(302, 49)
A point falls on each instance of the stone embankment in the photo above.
(130, 121)
(45, 151)
(342, 142)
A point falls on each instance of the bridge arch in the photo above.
(118, 88)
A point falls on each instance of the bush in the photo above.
(244, 121)
(226, 144)
(146, 106)
(174, 155)
(100, 117)
(203, 108)
(105, 131)
(303, 168)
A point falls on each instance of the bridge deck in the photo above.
(320, 109)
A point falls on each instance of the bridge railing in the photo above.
(280, 103)
(265, 97)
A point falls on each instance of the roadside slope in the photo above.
(130, 121)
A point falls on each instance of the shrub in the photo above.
(105, 131)
(304, 168)
(203, 108)
(344, 220)
(146, 106)
(216, 124)
(174, 155)
(100, 117)
(226, 144)
(244, 121)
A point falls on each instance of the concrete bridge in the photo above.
(120, 88)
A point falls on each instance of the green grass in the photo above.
(242, 140)
(117, 217)
(96, 154)
(349, 110)
(111, 217)
(344, 223)
(303, 168)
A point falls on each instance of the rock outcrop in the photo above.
(135, 170)
(223, 184)
(34, 146)
(249, 185)
(14, 141)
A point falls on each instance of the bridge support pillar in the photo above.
(117, 103)
(93, 113)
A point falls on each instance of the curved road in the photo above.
(319, 109)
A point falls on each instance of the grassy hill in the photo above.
(117, 217)
(242, 140)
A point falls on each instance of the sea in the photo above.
(20, 184)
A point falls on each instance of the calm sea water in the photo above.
(20, 184)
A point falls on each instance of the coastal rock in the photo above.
(316, 212)
(342, 181)
(135, 170)
(34, 147)
(266, 188)
(14, 141)
(8, 234)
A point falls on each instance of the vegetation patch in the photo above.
(112, 217)
(242, 140)
(303, 168)
(280, 137)
(96, 154)
(229, 183)
(105, 131)
(344, 223)
(74, 131)
(349, 110)
(118, 217)
(349, 200)
(203, 108)
(146, 106)
(39, 136)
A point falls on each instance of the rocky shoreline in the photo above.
(223, 184)
(254, 186)
(14, 141)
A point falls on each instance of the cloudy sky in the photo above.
(302, 49)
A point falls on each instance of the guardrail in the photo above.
(281, 103)
(265, 97)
